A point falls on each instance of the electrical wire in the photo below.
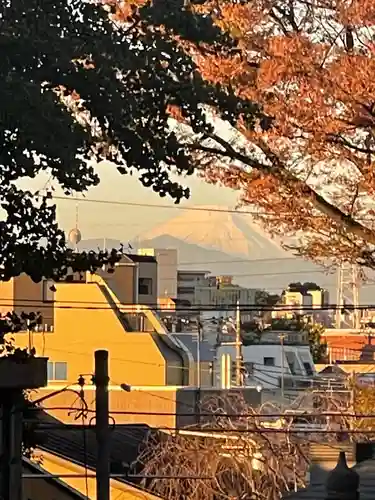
(192, 209)
(201, 308)
(298, 414)
(247, 430)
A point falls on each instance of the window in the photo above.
(57, 370)
(308, 369)
(145, 286)
(269, 361)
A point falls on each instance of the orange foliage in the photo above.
(310, 67)
(124, 9)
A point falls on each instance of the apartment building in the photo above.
(303, 299)
(167, 264)
(83, 316)
(220, 293)
(188, 281)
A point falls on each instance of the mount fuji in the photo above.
(213, 228)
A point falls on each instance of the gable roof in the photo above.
(77, 443)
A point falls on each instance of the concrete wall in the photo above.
(163, 407)
(21, 294)
(122, 282)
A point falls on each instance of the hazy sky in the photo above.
(125, 222)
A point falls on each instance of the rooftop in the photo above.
(141, 258)
(78, 444)
(34, 468)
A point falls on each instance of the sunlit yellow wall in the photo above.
(28, 297)
(6, 296)
(85, 322)
(119, 491)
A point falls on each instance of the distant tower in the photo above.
(75, 235)
(348, 283)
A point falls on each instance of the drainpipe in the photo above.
(136, 283)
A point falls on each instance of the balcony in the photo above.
(137, 322)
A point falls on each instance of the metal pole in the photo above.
(102, 426)
(198, 369)
(238, 346)
(282, 367)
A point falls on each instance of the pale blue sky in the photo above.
(123, 222)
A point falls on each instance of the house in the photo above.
(71, 453)
(351, 350)
(274, 360)
(37, 484)
(349, 345)
(81, 317)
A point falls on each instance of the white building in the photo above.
(270, 362)
(224, 299)
(167, 269)
(303, 299)
(188, 281)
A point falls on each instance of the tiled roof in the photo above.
(78, 443)
(351, 347)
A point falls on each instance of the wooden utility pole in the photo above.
(102, 426)
(238, 346)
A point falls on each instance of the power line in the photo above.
(195, 209)
(159, 205)
(195, 308)
(300, 414)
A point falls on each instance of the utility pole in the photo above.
(199, 339)
(198, 370)
(238, 346)
(282, 384)
(102, 426)
(11, 444)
